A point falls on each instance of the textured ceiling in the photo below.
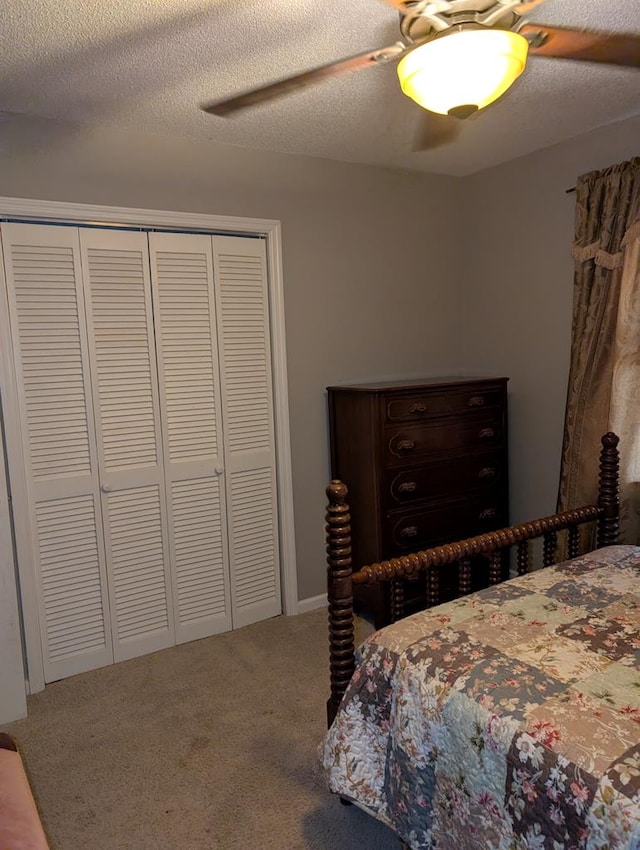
(149, 64)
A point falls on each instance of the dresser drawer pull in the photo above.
(407, 487)
(487, 472)
(476, 401)
(488, 513)
(487, 433)
(406, 445)
(418, 407)
(409, 531)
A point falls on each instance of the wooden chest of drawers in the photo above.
(425, 462)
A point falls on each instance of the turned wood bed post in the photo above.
(340, 595)
(608, 492)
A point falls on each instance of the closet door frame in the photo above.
(52, 212)
(13, 698)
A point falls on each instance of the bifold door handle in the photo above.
(106, 488)
(219, 470)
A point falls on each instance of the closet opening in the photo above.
(148, 444)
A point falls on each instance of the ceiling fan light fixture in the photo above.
(471, 67)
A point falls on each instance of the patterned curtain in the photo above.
(604, 377)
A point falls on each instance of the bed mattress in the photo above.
(505, 720)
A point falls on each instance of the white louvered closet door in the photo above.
(185, 318)
(245, 352)
(127, 414)
(59, 456)
(143, 372)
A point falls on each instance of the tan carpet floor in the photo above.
(210, 745)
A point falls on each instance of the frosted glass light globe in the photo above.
(463, 68)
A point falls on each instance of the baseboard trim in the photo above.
(312, 603)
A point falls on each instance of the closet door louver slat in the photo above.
(241, 291)
(60, 458)
(254, 541)
(70, 575)
(135, 527)
(200, 565)
(184, 308)
(134, 506)
(122, 355)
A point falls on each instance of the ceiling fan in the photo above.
(456, 57)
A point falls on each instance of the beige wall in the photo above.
(378, 281)
(517, 281)
(368, 252)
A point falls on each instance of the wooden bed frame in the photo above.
(491, 546)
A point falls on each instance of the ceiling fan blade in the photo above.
(263, 94)
(585, 45)
(525, 8)
(434, 130)
(402, 5)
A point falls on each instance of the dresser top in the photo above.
(414, 383)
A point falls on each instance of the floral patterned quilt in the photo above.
(505, 720)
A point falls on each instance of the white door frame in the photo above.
(270, 230)
(13, 701)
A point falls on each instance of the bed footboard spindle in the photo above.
(340, 595)
(523, 562)
(608, 492)
(573, 541)
(464, 576)
(549, 547)
(495, 567)
(397, 599)
(433, 587)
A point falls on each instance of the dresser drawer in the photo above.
(410, 530)
(412, 408)
(459, 475)
(405, 445)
